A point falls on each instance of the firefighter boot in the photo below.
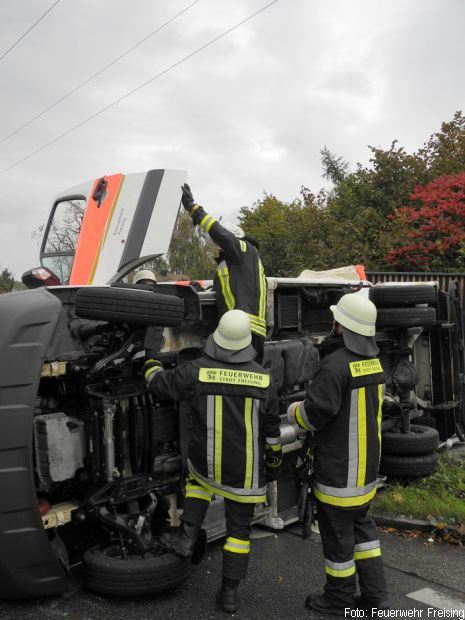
(322, 604)
(188, 541)
(227, 596)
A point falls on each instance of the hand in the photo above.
(151, 367)
(187, 198)
(273, 460)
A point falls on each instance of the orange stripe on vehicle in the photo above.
(93, 231)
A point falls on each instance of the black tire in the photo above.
(106, 572)
(396, 466)
(406, 317)
(125, 305)
(420, 440)
(134, 287)
(426, 420)
(408, 295)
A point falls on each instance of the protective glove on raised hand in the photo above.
(187, 198)
(151, 367)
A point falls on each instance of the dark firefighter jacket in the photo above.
(233, 416)
(240, 281)
(343, 406)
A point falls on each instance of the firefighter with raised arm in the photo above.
(342, 408)
(240, 281)
(235, 437)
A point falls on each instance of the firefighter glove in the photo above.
(273, 459)
(151, 367)
(292, 411)
(187, 198)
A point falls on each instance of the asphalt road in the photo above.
(283, 570)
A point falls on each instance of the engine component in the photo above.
(60, 446)
(109, 410)
(59, 514)
(167, 464)
(405, 376)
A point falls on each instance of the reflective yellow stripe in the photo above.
(365, 367)
(256, 319)
(218, 436)
(205, 495)
(248, 443)
(262, 303)
(242, 499)
(358, 500)
(362, 437)
(347, 572)
(257, 325)
(275, 447)
(207, 222)
(194, 209)
(210, 224)
(228, 297)
(236, 545)
(150, 371)
(243, 245)
(299, 419)
(197, 491)
(235, 377)
(380, 414)
(369, 553)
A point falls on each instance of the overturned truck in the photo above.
(91, 464)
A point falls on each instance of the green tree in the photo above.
(292, 235)
(190, 253)
(334, 168)
(272, 223)
(7, 281)
(444, 152)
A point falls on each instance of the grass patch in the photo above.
(440, 497)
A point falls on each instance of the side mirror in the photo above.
(39, 276)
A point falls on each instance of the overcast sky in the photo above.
(246, 115)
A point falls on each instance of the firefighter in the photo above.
(342, 408)
(145, 276)
(240, 280)
(235, 438)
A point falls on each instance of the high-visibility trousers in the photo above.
(236, 550)
(351, 546)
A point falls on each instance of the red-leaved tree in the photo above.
(431, 230)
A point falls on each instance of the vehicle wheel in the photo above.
(107, 572)
(124, 305)
(408, 295)
(406, 317)
(426, 420)
(420, 440)
(408, 466)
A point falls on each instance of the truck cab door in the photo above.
(99, 231)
